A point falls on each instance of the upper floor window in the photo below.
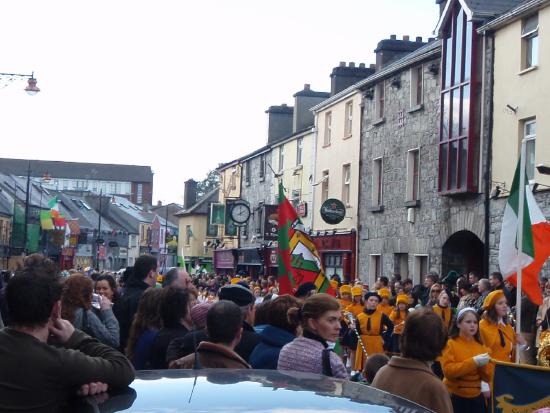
(377, 175)
(458, 144)
(299, 150)
(413, 181)
(324, 187)
(262, 167)
(416, 86)
(349, 119)
(328, 128)
(281, 157)
(380, 100)
(139, 198)
(247, 173)
(346, 184)
(530, 42)
(530, 135)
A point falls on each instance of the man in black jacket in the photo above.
(36, 376)
(143, 277)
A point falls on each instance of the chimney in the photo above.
(344, 76)
(392, 49)
(279, 122)
(190, 193)
(304, 100)
(159, 203)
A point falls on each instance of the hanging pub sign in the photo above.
(217, 214)
(270, 222)
(333, 211)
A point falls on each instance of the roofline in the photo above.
(303, 132)
(184, 213)
(444, 16)
(350, 90)
(406, 61)
(512, 15)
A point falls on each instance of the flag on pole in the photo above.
(535, 245)
(299, 260)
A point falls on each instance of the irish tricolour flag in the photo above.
(535, 245)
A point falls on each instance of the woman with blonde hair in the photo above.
(76, 307)
(145, 327)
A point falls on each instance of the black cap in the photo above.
(236, 293)
(304, 290)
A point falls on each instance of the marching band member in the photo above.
(384, 305)
(345, 296)
(356, 307)
(397, 317)
(443, 308)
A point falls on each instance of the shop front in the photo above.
(249, 262)
(224, 262)
(338, 254)
(271, 261)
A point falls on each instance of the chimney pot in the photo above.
(351, 64)
(342, 64)
(284, 105)
(419, 39)
(406, 38)
(372, 66)
(159, 203)
(362, 65)
(307, 86)
(431, 39)
(393, 37)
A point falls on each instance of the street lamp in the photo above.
(31, 88)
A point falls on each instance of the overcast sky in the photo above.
(178, 85)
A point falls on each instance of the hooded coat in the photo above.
(266, 353)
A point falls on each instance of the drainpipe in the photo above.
(487, 173)
(359, 225)
(313, 169)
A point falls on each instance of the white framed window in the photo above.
(188, 234)
(416, 86)
(296, 197)
(349, 119)
(139, 197)
(377, 176)
(420, 267)
(530, 41)
(328, 129)
(346, 184)
(247, 173)
(530, 135)
(380, 100)
(325, 186)
(262, 167)
(299, 150)
(401, 263)
(281, 158)
(413, 175)
(375, 267)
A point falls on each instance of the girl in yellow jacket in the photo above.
(443, 308)
(465, 363)
(357, 305)
(496, 333)
(384, 305)
(397, 317)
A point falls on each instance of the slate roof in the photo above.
(6, 204)
(201, 207)
(78, 170)
(491, 8)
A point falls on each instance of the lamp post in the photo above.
(31, 88)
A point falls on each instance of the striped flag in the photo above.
(535, 243)
(299, 260)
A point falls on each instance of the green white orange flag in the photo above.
(535, 245)
(299, 260)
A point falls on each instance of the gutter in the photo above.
(513, 14)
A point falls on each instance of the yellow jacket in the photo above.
(398, 319)
(462, 376)
(355, 309)
(385, 308)
(491, 338)
(445, 313)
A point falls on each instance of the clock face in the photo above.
(240, 213)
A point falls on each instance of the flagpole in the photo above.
(521, 204)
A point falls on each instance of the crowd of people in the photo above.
(433, 343)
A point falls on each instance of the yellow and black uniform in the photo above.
(446, 314)
(355, 309)
(386, 309)
(371, 324)
(397, 317)
(462, 375)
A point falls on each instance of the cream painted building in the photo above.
(337, 147)
(521, 94)
(230, 188)
(293, 161)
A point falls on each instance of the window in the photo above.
(530, 42)
(65, 184)
(413, 181)
(349, 119)
(299, 150)
(380, 98)
(247, 173)
(375, 268)
(333, 265)
(377, 182)
(296, 197)
(324, 187)
(416, 86)
(530, 135)
(281, 157)
(139, 198)
(259, 221)
(188, 234)
(458, 145)
(262, 167)
(420, 268)
(346, 183)
(401, 265)
(328, 128)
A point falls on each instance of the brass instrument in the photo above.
(543, 354)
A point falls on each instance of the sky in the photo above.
(179, 85)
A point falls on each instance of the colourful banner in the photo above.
(46, 220)
(520, 388)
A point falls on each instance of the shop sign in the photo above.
(122, 252)
(301, 209)
(270, 222)
(333, 211)
(84, 250)
(249, 257)
(273, 258)
(224, 259)
(101, 253)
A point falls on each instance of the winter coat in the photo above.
(126, 307)
(160, 345)
(183, 346)
(413, 380)
(249, 340)
(266, 353)
(102, 325)
(143, 350)
(212, 356)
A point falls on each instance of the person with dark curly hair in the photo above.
(77, 308)
(105, 285)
